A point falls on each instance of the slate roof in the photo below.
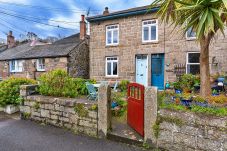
(123, 13)
(25, 51)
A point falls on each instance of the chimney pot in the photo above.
(106, 11)
(10, 33)
(82, 18)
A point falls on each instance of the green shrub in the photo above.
(186, 82)
(59, 83)
(123, 85)
(10, 90)
(81, 86)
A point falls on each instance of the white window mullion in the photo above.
(111, 67)
(149, 32)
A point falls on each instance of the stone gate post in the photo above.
(104, 110)
(150, 113)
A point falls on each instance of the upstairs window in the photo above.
(112, 66)
(193, 63)
(150, 31)
(40, 65)
(16, 66)
(112, 35)
(190, 34)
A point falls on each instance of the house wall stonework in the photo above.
(172, 43)
(78, 61)
(29, 69)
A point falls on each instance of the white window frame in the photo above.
(187, 63)
(17, 67)
(189, 38)
(149, 32)
(38, 64)
(111, 61)
(112, 31)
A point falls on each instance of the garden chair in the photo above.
(92, 93)
(115, 86)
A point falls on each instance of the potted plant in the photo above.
(186, 99)
(177, 87)
(215, 92)
(200, 101)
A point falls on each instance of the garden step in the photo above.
(126, 140)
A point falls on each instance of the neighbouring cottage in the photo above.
(30, 59)
(133, 44)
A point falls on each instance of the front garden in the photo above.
(55, 83)
(184, 95)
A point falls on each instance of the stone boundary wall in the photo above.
(186, 131)
(78, 115)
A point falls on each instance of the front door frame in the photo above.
(164, 55)
(147, 64)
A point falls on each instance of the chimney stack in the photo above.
(10, 40)
(82, 28)
(106, 11)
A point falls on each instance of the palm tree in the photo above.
(205, 17)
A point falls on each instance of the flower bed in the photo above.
(185, 96)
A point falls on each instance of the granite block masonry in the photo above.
(78, 115)
(191, 131)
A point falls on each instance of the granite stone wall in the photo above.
(92, 118)
(186, 131)
(78, 115)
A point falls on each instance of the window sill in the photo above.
(111, 77)
(41, 70)
(16, 71)
(109, 46)
(191, 39)
(150, 42)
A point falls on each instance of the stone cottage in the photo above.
(133, 44)
(32, 59)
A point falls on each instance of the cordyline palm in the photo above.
(205, 17)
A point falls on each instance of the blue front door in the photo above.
(157, 71)
(141, 69)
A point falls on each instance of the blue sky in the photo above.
(16, 15)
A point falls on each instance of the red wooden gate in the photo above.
(136, 107)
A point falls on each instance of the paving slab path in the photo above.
(20, 135)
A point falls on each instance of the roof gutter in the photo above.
(123, 14)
